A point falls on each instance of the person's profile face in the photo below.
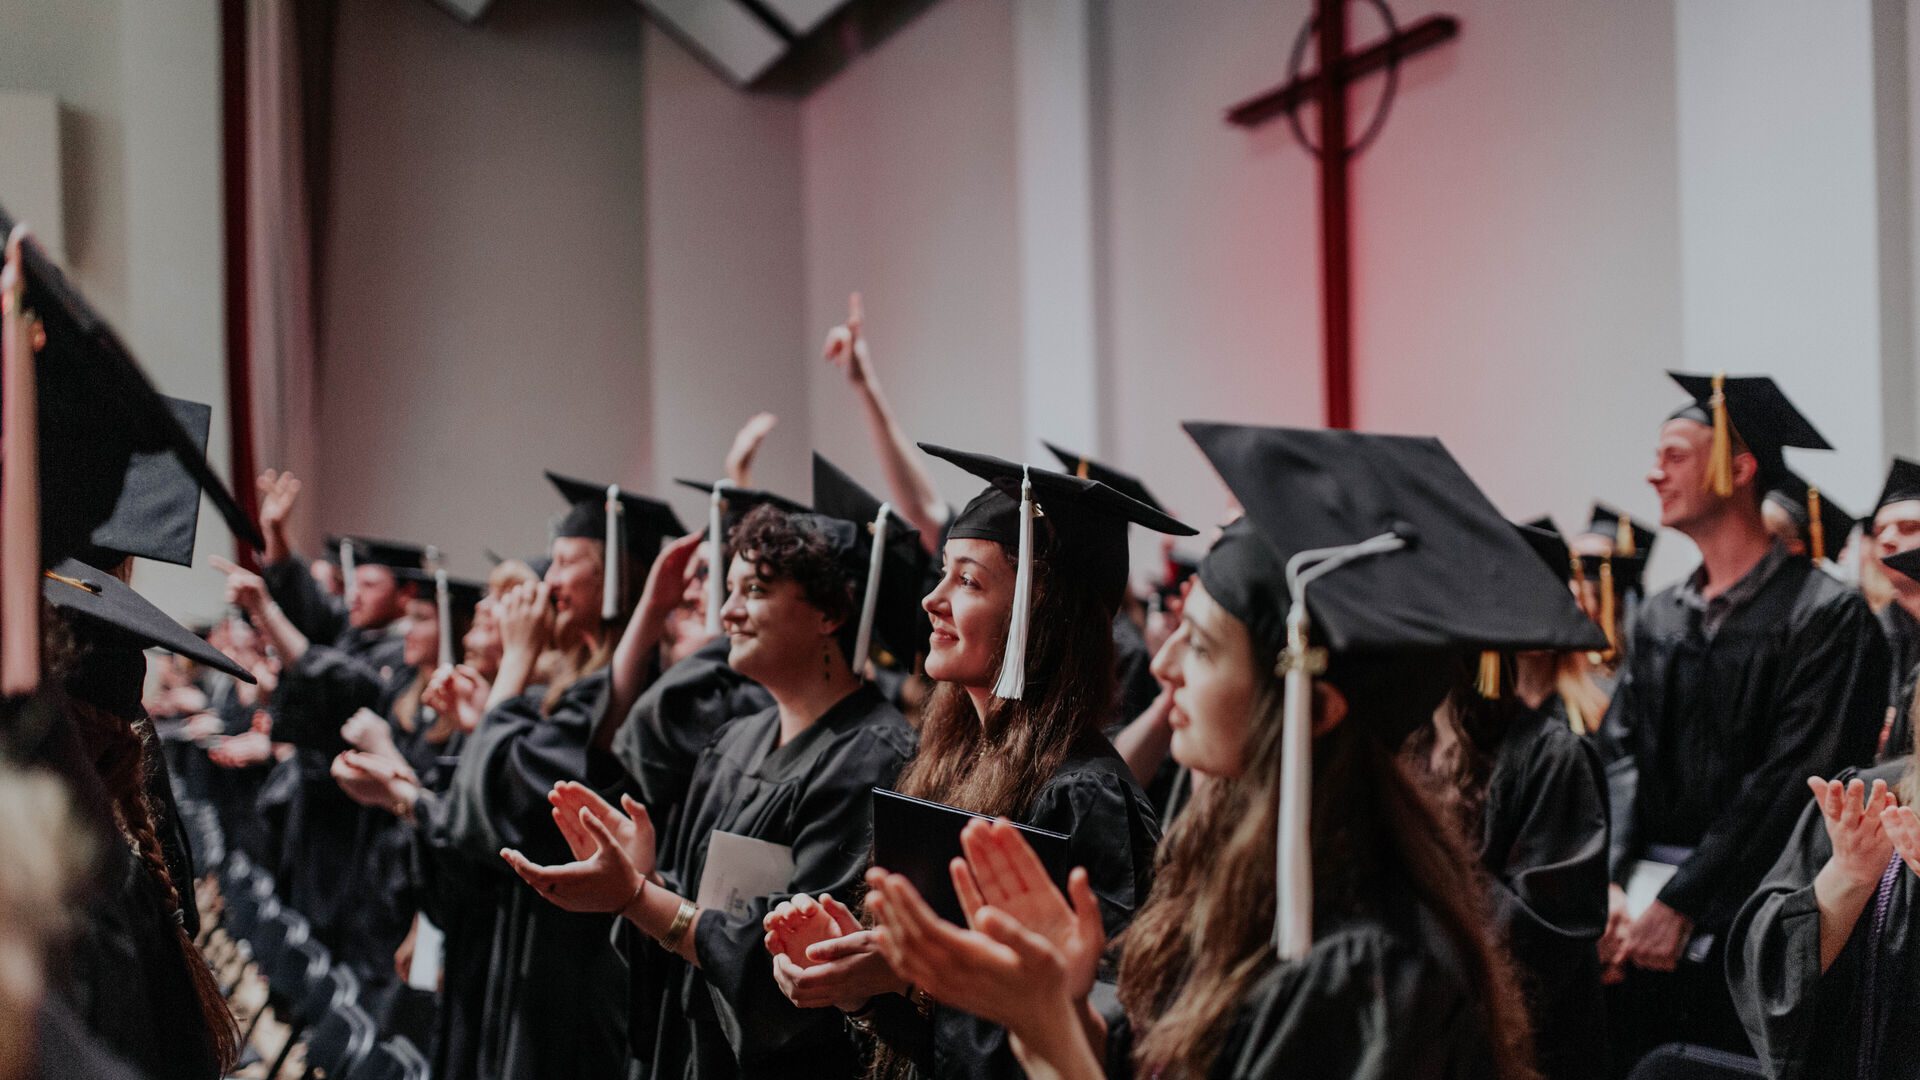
(1208, 665)
(377, 598)
(969, 610)
(774, 635)
(421, 647)
(574, 583)
(1679, 473)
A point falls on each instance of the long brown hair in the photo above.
(1203, 939)
(998, 767)
(120, 752)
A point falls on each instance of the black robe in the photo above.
(317, 614)
(1724, 732)
(552, 998)
(814, 795)
(1806, 1025)
(317, 835)
(1379, 996)
(1903, 640)
(1544, 847)
(675, 719)
(1114, 831)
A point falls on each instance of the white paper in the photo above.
(1645, 883)
(740, 869)
(429, 943)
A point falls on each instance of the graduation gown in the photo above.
(552, 1000)
(126, 978)
(1806, 1025)
(1544, 847)
(728, 1018)
(1723, 732)
(1114, 830)
(314, 612)
(1379, 996)
(675, 719)
(318, 836)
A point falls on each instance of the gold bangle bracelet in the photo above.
(682, 919)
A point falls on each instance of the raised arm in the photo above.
(641, 641)
(912, 491)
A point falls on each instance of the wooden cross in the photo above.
(1327, 88)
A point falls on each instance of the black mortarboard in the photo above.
(643, 525)
(897, 620)
(1905, 562)
(1628, 571)
(108, 609)
(1549, 545)
(1903, 484)
(97, 409)
(1380, 546)
(158, 513)
(1463, 580)
(463, 595)
(1628, 535)
(366, 551)
(1822, 523)
(647, 521)
(1080, 521)
(1544, 523)
(1088, 469)
(738, 500)
(1755, 414)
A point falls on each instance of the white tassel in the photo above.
(1293, 910)
(1293, 865)
(346, 571)
(870, 601)
(443, 598)
(1013, 669)
(610, 578)
(716, 557)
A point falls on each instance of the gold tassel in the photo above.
(1608, 619)
(1816, 529)
(1488, 682)
(1720, 456)
(1575, 718)
(1623, 538)
(1083, 468)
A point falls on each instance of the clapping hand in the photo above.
(613, 853)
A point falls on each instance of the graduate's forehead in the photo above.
(974, 552)
(1683, 433)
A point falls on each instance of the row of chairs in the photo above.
(300, 1012)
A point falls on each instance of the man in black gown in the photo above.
(1742, 680)
(1895, 528)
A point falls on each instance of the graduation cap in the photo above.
(1088, 469)
(158, 513)
(619, 519)
(1748, 410)
(107, 609)
(1178, 568)
(354, 551)
(97, 410)
(454, 599)
(1366, 544)
(1615, 577)
(1629, 536)
(1903, 484)
(726, 505)
(1549, 545)
(1820, 520)
(1085, 521)
(890, 600)
(1905, 562)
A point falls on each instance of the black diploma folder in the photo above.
(918, 839)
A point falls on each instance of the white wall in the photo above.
(482, 305)
(725, 287)
(910, 185)
(139, 92)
